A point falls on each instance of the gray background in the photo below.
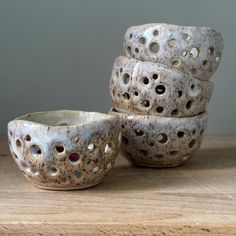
(58, 54)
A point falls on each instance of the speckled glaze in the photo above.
(155, 141)
(64, 150)
(154, 89)
(193, 50)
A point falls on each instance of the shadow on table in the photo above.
(127, 177)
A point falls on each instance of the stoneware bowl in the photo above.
(194, 50)
(64, 150)
(155, 141)
(154, 89)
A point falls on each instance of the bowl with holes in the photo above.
(193, 50)
(156, 141)
(149, 88)
(64, 150)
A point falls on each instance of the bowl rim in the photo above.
(122, 112)
(169, 25)
(102, 117)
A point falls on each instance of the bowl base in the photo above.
(66, 188)
(159, 165)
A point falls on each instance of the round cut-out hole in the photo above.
(180, 93)
(128, 50)
(109, 166)
(155, 32)
(174, 112)
(60, 149)
(189, 105)
(28, 138)
(52, 171)
(205, 63)
(217, 59)
(124, 140)
(76, 140)
(194, 53)
(126, 96)
(155, 76)
(95, 170)
(151, 144)
(146, 103)
(108, 149)
(139, 132)
(35, 151)
(145, 80)
(136, 50)
(18, 143)
(162, 138)
(193, 86)
(186, 37)
(130, 36)
(172, 42)
(160, 89)
(184, 53)
(154, 47)
(211, 51)
(160, 109)
(91, 147)
(175, 62)
(192, 143)
(135, 93)
(126, 78)
(180, 134)
(142, 40)
(74, 157)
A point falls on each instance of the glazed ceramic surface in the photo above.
(156, 141)
(155, 89)
(64, 149)
(193, 50)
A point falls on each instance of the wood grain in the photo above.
(198, 198)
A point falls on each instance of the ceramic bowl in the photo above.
(193, 50)
(154, 89)
(64, 150)
(155, 141)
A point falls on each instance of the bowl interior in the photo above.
(63, 118)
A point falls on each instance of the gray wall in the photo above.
(57, 54)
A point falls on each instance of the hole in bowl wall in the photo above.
(35, 151)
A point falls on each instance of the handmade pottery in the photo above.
(65, 149)
(154, 89)
(193, 50)
(155, 141)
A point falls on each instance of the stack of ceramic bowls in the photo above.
(160, 89)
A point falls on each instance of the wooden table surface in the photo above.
(194, 199)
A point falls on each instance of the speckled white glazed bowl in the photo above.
(193, 50)
(155, 141)
(65, 149)
(154, 89)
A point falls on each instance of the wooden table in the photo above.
(194, 199)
